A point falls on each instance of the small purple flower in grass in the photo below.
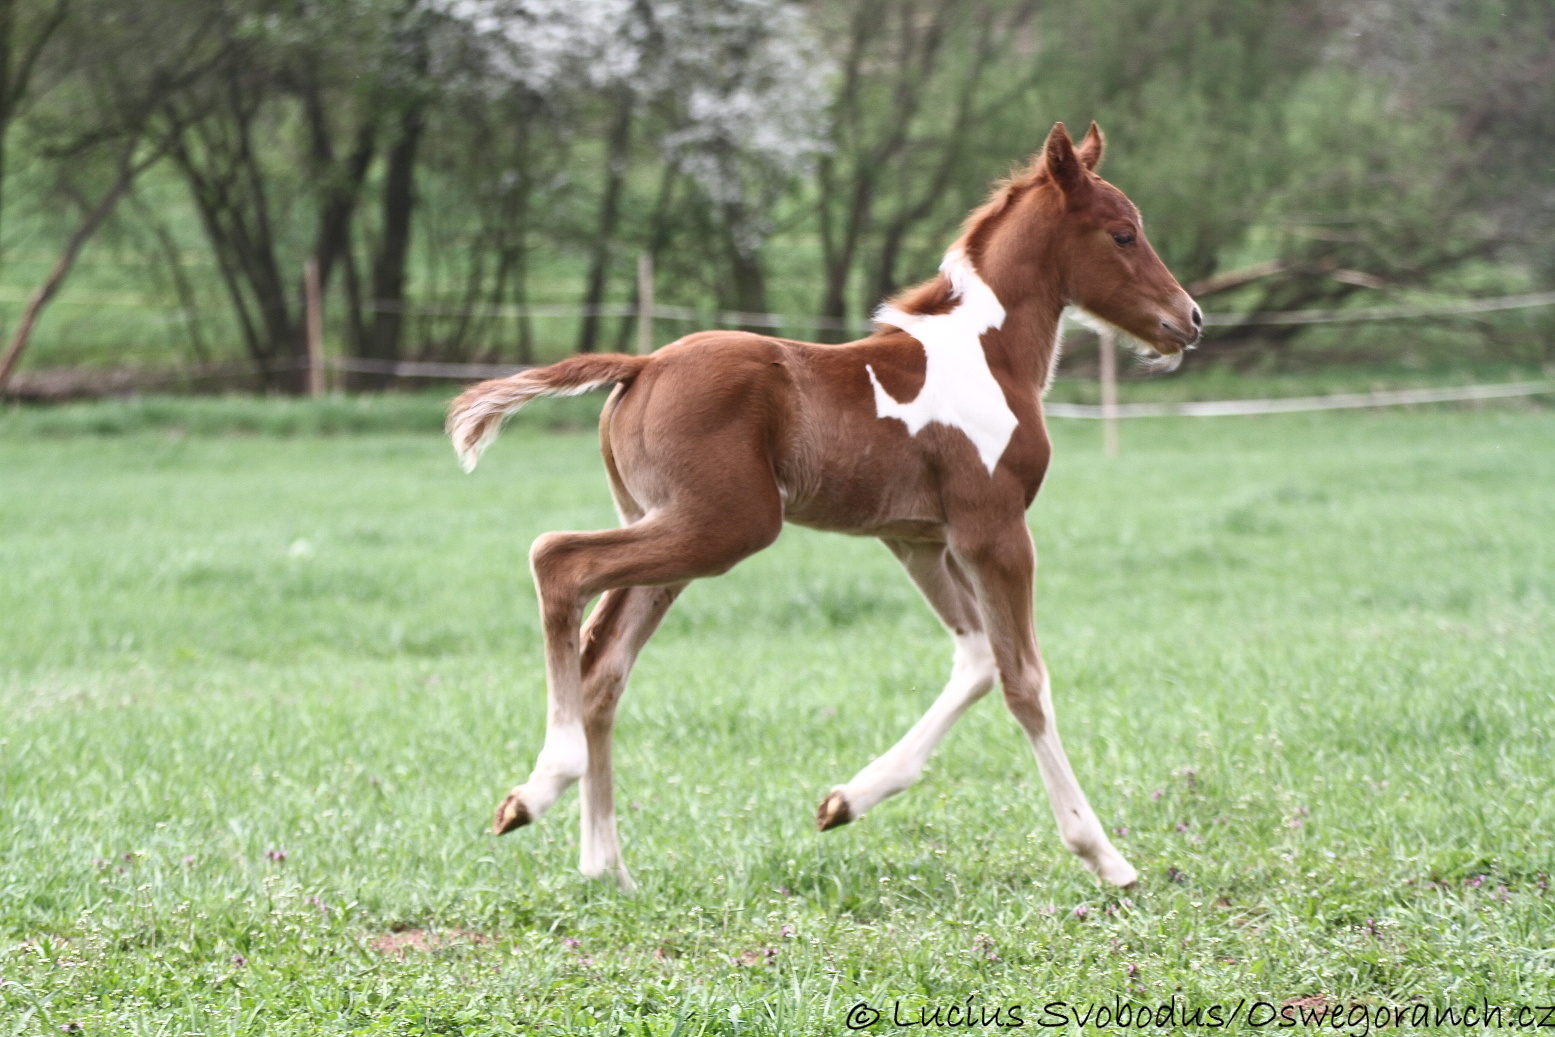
(188, 862)
(1050, 911)
(1182, 826)
(1157, 794)
(984, 945)
(571, 941)
(1503, 894)
(1474, 881)
(71, 1027)
(1175, 875)
(99, 863)
(1370, 928)
(276, 856)
(1121, 831)
(1081, 911)
(318, 904)
(787, 932)
(238, 961)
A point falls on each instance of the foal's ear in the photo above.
(1063, 165)
(1090, 149)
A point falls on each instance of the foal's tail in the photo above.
(476, 416)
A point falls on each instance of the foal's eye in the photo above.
(1123, 239)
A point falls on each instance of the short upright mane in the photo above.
(937, 295)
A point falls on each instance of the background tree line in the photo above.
(452, 163)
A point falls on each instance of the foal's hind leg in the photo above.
(571, 568)
(1002, 565)
(622, 623)
(972, 673)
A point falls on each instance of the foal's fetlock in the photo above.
(834, 810)
(511, 813)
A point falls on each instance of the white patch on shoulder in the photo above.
(958, 390)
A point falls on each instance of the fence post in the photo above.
(314, 316)
(1109, 391)
(645, 304)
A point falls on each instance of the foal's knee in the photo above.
(1025, 700)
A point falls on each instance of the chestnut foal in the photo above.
(927, 434)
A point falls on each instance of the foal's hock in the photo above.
(928, 434)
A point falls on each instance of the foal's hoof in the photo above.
(511, 814)
(1118, 873)
(834, 811)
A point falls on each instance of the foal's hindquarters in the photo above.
(701, 481)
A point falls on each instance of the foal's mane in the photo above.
(936, 295)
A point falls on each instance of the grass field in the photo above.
(260, 693)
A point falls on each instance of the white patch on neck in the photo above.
(958, 390)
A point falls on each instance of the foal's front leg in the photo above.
(1002, 565)
(972, 673)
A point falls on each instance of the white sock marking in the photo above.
(958, 390)
(971, 675)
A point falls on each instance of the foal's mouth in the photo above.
(1160, 357)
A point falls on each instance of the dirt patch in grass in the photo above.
(403, 942)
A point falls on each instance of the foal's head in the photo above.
(1064, 226)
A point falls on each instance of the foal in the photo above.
(927, 434)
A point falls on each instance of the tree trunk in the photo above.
(660, 227)
(609, 213)
(388, 278)
(747, 274)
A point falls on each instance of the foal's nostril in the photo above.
(1198, 318)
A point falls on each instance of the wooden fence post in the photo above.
(315, 325)
(1109, 391)
(644, 304)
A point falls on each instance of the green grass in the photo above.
(1307, 661)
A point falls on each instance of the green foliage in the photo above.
(1305, 661)
(804, 159)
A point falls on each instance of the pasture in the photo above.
(260, 693)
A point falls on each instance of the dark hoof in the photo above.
(511, 814)
(834, 811)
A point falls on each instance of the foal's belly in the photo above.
(864, 503)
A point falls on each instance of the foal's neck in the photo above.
(1023, 351)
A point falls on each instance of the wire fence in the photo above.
(1292, 404)
(648, 311)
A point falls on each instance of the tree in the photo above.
(109, 101)
(24, 35)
